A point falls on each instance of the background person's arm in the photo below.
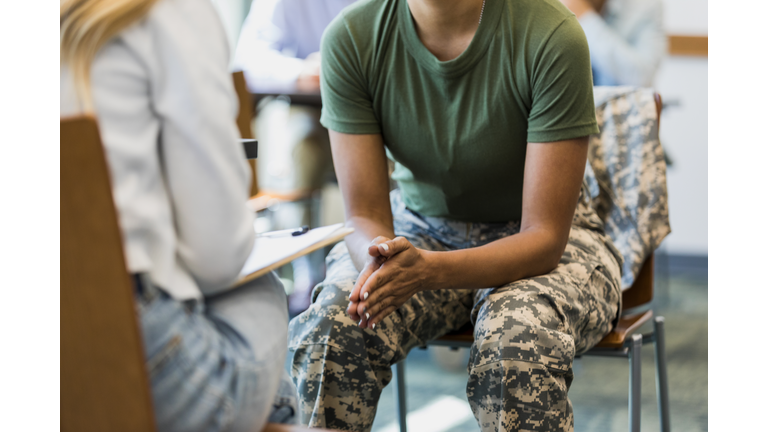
(631, 61)
(260, 52)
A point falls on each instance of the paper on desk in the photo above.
(268, 253)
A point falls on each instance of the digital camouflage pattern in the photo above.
(527, 333)
(628, 175)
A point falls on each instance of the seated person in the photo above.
(485, 107)
(154, 73)
(279, 44)
(626, 39)
(278, 51)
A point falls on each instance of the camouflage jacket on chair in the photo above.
(627, 174)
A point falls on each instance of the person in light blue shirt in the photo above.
(280, 42)
(278, 51)
(626, 39)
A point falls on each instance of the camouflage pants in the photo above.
(526, 333)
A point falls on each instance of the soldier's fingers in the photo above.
(378, 279)
(381, 316)
(361, 278)
(352, 311)
(362, 322)
(394, 246)
(373, 249)
(367, 271)
(372, 308)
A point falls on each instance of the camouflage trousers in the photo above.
(527, 333)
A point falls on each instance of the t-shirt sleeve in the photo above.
(563, 106)
(347, 103)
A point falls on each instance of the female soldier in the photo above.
(485, 106)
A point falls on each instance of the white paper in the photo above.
(267, 251)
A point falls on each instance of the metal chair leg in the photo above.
(662, 386)
(635, 348)
(399, 381)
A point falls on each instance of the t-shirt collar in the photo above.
(466, 60)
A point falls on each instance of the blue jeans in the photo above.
(217, 365)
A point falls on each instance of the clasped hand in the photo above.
(394, 271)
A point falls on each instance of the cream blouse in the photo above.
(165, 104)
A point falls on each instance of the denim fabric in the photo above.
(217, 365)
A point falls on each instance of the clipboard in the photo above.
(270, 253)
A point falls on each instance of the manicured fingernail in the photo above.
(385, 247)
(374, 326)
(359, 323)
(365, 308)
(365, 296)
(367, 315)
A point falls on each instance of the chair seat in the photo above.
(628, 324)
(463, 337)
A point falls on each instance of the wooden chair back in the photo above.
(104, 386)
(244, 118)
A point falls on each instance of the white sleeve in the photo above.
(627, 62)
(206, 173)
(259, 52)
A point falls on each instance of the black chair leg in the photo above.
(635, 349)
(399, 381)
(662, 386)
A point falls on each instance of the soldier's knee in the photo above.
(325, 321)
(524, 341)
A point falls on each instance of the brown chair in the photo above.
(104, 384)
(621, 342)
(260, 200)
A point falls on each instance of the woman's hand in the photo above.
(404, 271)
(374, 261)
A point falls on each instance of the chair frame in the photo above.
(262, 200)
(621, 342)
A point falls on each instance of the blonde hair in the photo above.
(86, 25)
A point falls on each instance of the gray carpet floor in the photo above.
(436, 377)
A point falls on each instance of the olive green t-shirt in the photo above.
(457, 130)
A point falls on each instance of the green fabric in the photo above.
(458, 130)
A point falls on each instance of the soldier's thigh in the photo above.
(573, 306)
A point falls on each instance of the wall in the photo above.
(682, 83)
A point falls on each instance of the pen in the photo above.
(286, 232)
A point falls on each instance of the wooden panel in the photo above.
(103, 383)
(641, 291)
(688, 45)
(244, 119)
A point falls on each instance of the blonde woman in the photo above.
(154, 74)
